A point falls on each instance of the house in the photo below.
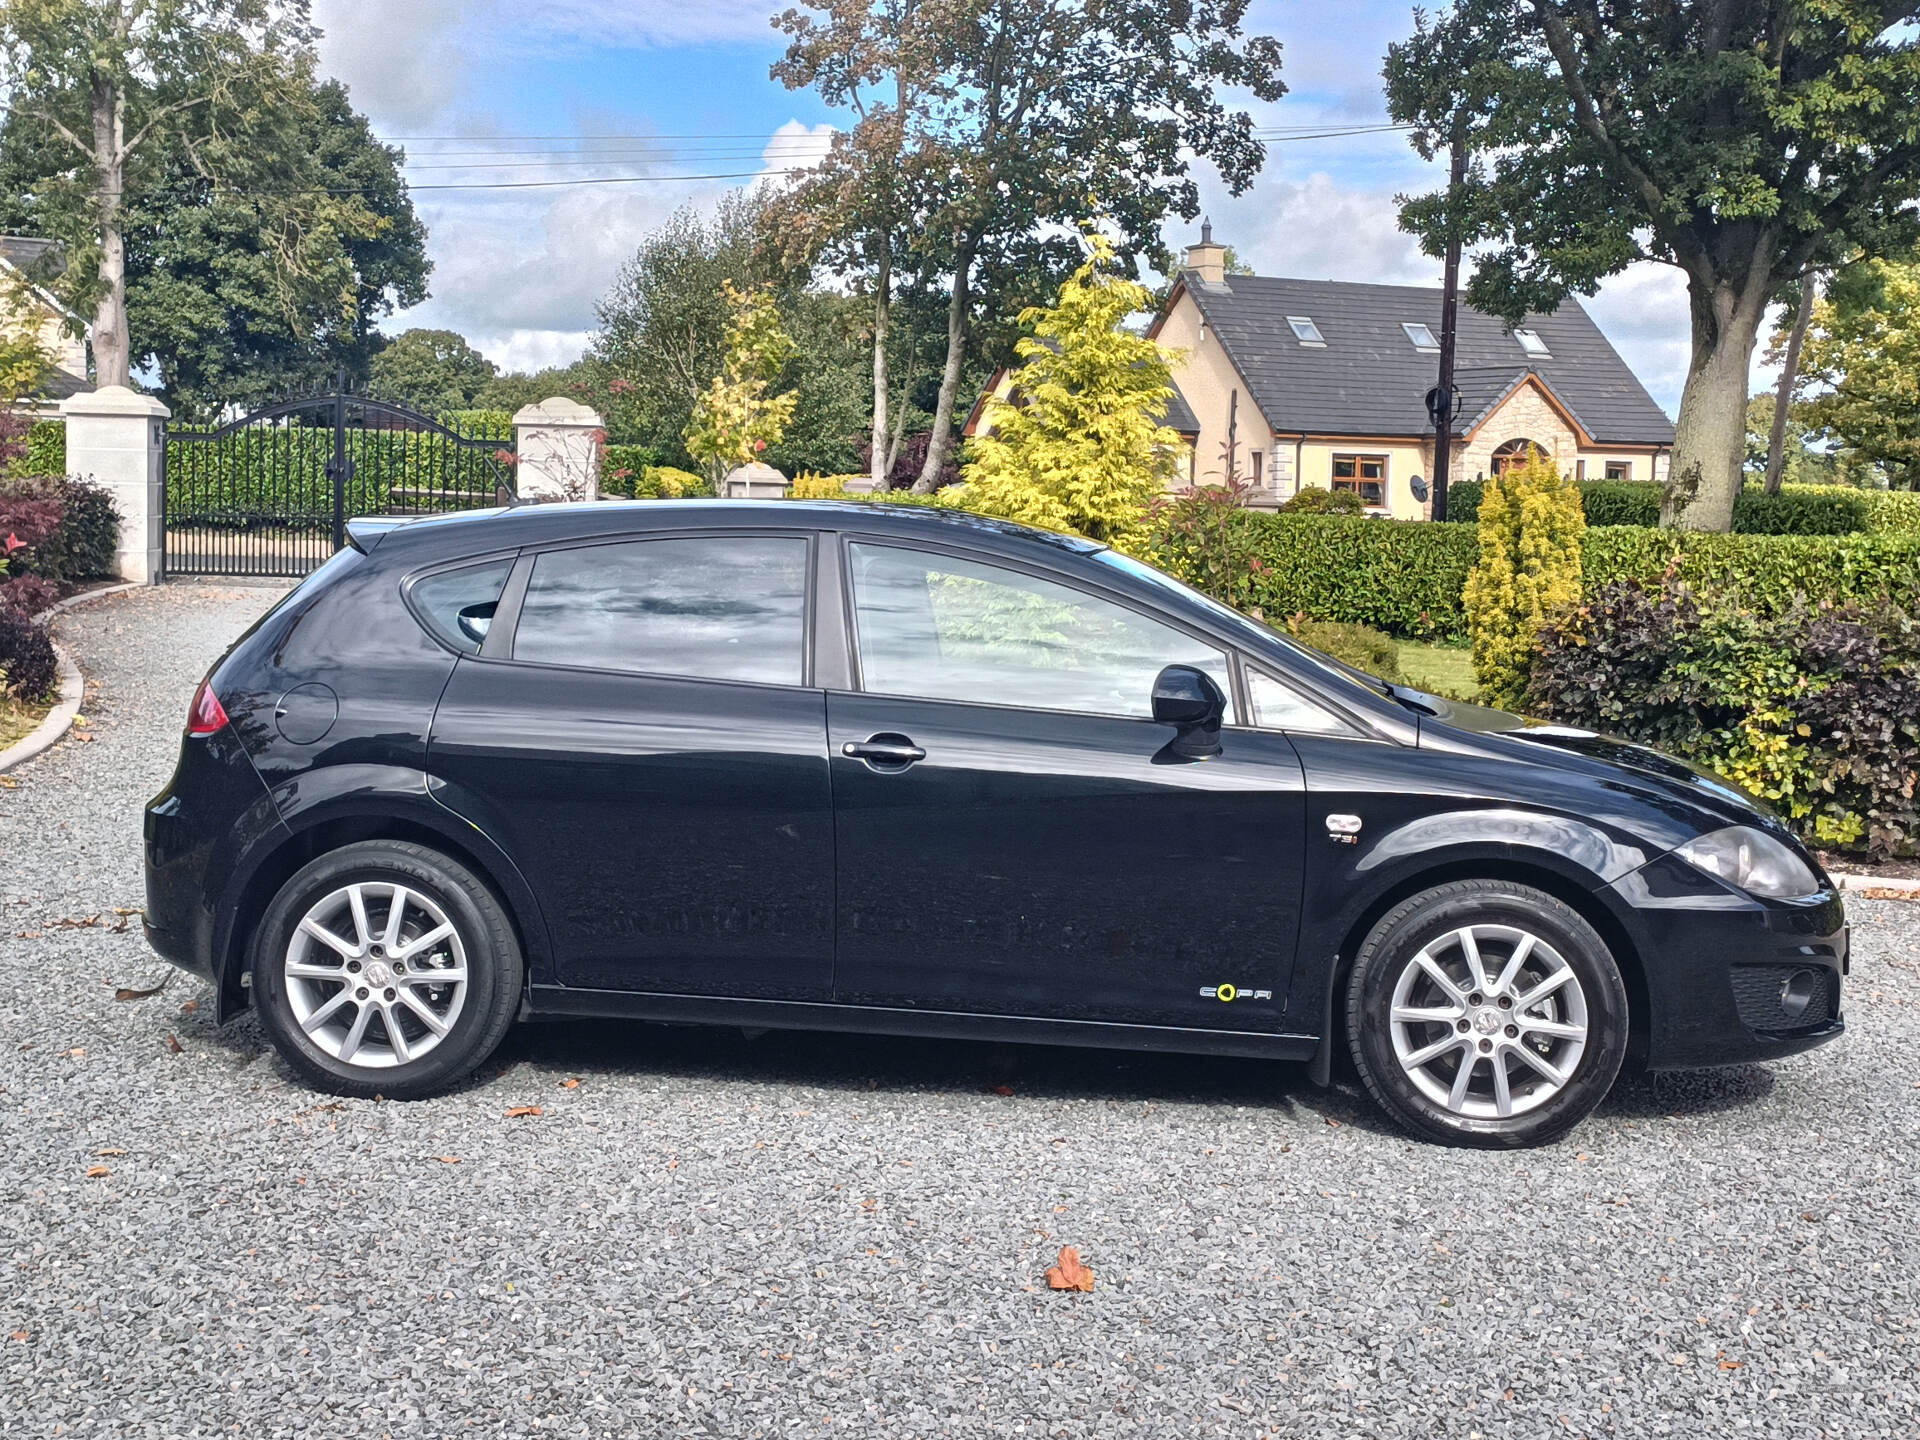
(27, 306)
(1322, 382)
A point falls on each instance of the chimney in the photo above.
(1207, 260)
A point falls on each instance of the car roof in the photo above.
(479, 531)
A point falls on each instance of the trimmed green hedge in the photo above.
(1796, 510)
(1405, 576)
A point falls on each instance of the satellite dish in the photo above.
(1418, 484)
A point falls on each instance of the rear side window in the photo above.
(709, 607)
(458, 605)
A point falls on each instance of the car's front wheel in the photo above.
(385, 968)
(1486, 1013)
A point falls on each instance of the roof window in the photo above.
(1422, 337)
(1531, 342)
(1305, 331)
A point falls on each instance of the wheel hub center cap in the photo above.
(378, 974)
(1486, 1021)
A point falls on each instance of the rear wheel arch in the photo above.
(1584, 903)
(303, 846)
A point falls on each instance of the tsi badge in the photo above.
(1343, 829)
(1227, 994)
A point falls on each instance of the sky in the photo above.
(676, 90)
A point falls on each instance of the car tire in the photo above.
(362, 1003)
(1500, 980)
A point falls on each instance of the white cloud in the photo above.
(1320, 229)
(401, 81)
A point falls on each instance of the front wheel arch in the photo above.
(1584, 903)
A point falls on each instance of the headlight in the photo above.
(1753, 860)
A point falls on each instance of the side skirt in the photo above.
(558, 1000)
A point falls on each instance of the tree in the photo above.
(433, 371)
(1025, 114)
(1080, 448)
(130, 87)
(737, 416)
(663, 324)
(1528, 572)
(1802, 462)
(1746, 144)
(1863, 346)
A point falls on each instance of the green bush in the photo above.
(664, 482)
(1803, 510)
(621, 467)
(1883, 512)
(481, 424)
(1765, 573)
(1317, 501)
(46, 452)
(1360, 646)
(1620, 502)
(1796, 510)
(1816, 710)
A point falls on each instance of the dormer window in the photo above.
(1422, 338)
(1531, 342)
(1305, 331)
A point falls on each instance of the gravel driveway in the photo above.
(704, 1234)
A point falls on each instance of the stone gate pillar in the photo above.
(559, 442)
(117, 436)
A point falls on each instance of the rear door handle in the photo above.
(885, 751)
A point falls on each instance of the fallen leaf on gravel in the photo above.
(109, 1152)
(80, 737)
(127, 910)
(26, 934)
(173, 1044)
(1000, 1090)
(1731, 1364)
(1068, 1273)
(20, 1335)
(523, 1112)
(79, 1052)
(1886, 892)
(869, 1204)
(1333, 1122)
(448, 1159)
(189, 1007)
(75, 922)
(98, 1172)
(570, 1084)
(126, 993)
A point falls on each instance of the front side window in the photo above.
(1365, 475)
(940, 628)
(1619, 469)
(707, 607)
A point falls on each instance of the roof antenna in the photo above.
(1206, 230)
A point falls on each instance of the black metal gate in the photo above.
(271, 494)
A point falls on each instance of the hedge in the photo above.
(1406, 576)
(1796, 510)
(46, 452)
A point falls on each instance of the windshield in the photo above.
(1249, 629)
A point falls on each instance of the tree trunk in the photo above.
(957, 307)
(1783, 398)
(882, 286)
(112, 360)
(1710, 438)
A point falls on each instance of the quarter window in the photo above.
(711, 607)
(458, 605)
(1281, 707)
(940, 628)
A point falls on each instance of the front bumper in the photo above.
(1731, 979)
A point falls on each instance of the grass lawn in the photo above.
(1441, 669)
(17, 720)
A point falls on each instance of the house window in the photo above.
(1258, 458)
(1365, 475)
(1422, 338)
(1619, 469)
(1513, 455)
(1579, 469)
(1305, 331)
(1531, 342)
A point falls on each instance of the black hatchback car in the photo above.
(865, 767)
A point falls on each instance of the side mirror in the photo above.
(1189, 699)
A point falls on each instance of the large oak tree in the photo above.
(1747, 142)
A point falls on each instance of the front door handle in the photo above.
(885, 752)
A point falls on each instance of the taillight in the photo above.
(206, 714)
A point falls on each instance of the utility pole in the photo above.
(1441, 400)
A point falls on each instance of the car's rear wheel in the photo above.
(386, 968)
(1486, 1013)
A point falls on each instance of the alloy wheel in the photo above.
(376, 974)
(1488, 1021)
